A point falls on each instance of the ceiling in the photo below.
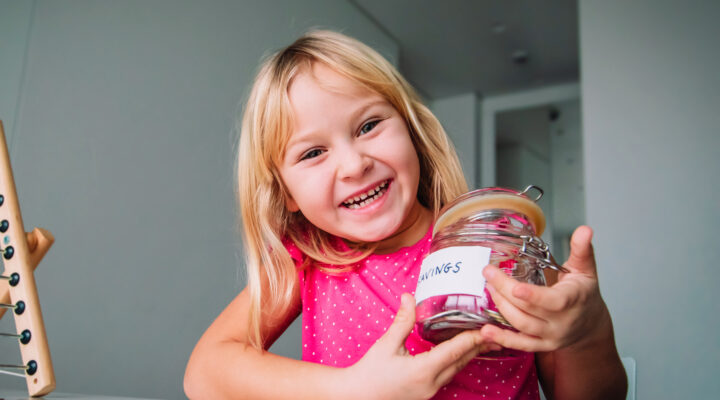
(460, 46)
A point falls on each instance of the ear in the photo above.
(290, 204)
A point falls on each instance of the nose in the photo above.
(353, 162)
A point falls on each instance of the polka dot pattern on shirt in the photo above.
(344, 315)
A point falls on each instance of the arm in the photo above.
(592, 370)
(224, 366)
(567, 324)
(594, 366)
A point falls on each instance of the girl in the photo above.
(342, 171)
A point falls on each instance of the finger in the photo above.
(582, 255)
(498, 279)
(514, 291)
(515, 340)
(453, 351)
(522, 320)
(532, 299)
(402, 325)
(447, 374)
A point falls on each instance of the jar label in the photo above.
(453, 270)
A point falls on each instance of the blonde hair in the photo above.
(265, 130)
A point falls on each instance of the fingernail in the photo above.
(487, 335)
(408, 300)
(488, 272)
(521, 292)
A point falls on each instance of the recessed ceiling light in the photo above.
(520, 57)
(499, 28)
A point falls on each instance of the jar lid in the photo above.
(493, 198)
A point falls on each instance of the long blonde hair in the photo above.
(264, 132)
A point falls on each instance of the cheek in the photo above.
(308, 188)
(410, 160)
(294, 195)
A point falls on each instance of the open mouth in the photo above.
(368, 197)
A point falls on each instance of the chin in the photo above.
(374, 235)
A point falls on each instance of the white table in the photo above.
(21, 395)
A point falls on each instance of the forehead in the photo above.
(321, 98)
(317, 79)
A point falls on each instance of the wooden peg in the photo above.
(38, 243)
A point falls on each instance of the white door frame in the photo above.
(494, 104)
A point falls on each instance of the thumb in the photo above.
(403, 324)
(582, 255)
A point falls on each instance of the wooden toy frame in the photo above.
(21, 254)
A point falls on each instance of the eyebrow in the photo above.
(308, 135)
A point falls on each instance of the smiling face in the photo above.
(350, 166)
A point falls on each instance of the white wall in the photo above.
(123, 148)
(651, 113)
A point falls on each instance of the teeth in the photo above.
(365, 198)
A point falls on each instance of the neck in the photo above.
(414, 227)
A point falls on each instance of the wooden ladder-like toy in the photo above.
(21, 253)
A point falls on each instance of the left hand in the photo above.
(568, 314)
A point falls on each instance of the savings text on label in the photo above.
(453, 270)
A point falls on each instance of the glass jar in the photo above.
(487, 226)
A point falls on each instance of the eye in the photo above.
(311, 154)
(368, 127)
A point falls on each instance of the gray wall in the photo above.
(15, 17)
(123, 148)
(651, 113)
(460, 117)
(567, 171)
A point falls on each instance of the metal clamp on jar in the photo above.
(486, 226)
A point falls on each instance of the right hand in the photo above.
(388, 371)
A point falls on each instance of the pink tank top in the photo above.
(343, 316)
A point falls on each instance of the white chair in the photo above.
(630, 366)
